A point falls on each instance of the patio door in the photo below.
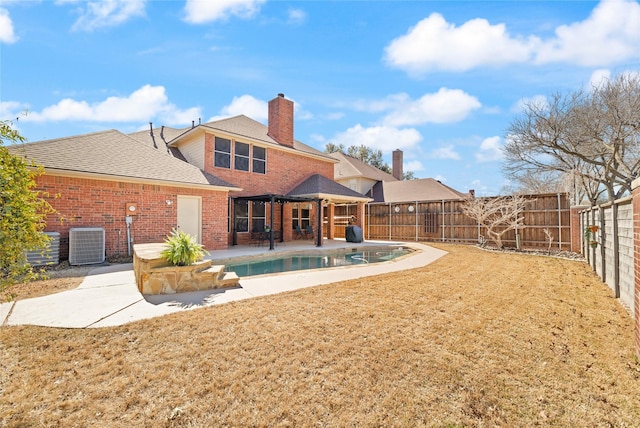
(190, 216)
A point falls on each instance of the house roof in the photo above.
(241, 125)
(320, 187)
(425, 189)
(115, 155)
(350, 167)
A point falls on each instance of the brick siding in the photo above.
(82, 202)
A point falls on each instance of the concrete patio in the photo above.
(108, 296)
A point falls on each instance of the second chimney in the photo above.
(396, 166)
(281, 120)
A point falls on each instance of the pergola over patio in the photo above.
(316, 188)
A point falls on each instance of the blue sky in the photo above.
(440, 80)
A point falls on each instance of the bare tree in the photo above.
(594, 136)
(497, 215)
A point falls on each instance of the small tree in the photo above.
(498, 215)
(22, 212)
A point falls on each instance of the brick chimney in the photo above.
(281, 120)
(397, 164)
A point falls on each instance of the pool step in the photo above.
(220, 278)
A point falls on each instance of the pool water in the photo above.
(288, 263)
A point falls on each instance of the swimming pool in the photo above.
(316, 260)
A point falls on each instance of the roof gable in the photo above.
(245, 127)
(350, 167)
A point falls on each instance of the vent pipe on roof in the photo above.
(193, 124)
(199, 121)
(151, 133)
(163, 140)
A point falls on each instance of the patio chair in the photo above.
(297, 233)
(309, 232)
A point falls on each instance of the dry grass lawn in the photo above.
(475, 339)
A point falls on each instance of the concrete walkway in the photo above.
(108, 296)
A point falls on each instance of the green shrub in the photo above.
(182, 249)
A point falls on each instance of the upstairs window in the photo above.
(259, 160)
(241, 156)
(222, 153)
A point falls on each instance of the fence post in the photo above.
(635, 191)
(603, 242)
(616, 250)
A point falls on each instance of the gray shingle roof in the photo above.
(426, 189)
(350, 167)
(112, 153)
(319, 186)
(244, 126)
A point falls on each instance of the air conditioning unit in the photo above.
(86, 245)
(50, 255)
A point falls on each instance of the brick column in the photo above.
(331, 230)
(635, 186)
(360, 217)
(576, 230)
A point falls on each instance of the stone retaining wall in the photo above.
(154, 275)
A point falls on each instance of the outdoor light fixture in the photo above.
(169, 201)
(397, 209)
(410, 208)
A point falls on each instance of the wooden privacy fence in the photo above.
(612, 254)
(444, 221)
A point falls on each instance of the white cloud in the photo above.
(107, 13)
(144, 104)
(445, 106)
(390, 102)
(201, 11)
(435, 44)
(296, 16)
(384, 138)
(7, 34)
(598, 77)
(609, 35)
(446, 152)
(247, 105)
(413, 166)
(490, 150)
(10, 110)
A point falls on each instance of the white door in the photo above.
(190, 216)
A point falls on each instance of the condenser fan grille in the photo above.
(86, 245)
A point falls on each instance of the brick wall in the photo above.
(99, 203)
(285, 170)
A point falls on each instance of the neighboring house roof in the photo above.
(350, 167)
(320, 187)
(426, 189)
(114, 155)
